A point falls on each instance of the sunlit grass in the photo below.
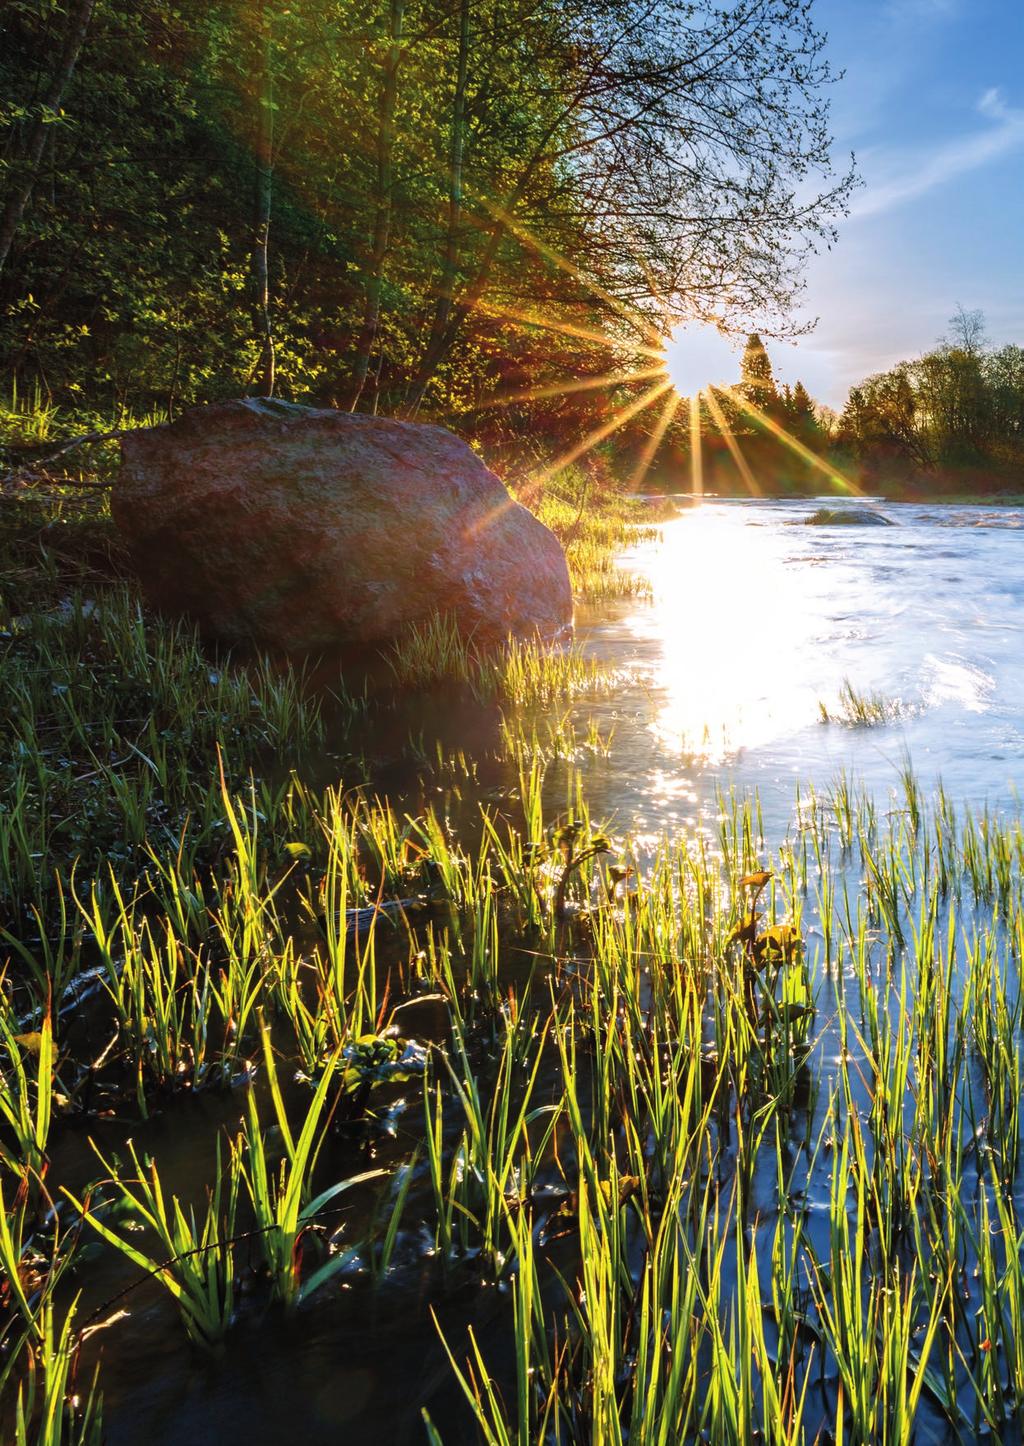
(595, 527)
(523, 672)
(856, 708)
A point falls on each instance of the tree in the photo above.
(1004, 381)
(264, 188)
(28, 155)
(677, 139)
(757, 380)
(881, 419)
(800, 416)
(382, 199)
(410, 205)
(967, 331)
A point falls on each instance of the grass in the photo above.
(675, 1050)
(857, 709)
(524, 673)
(595, 527)
(116, 719)
(733, 1153)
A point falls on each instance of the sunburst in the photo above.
(690, 362)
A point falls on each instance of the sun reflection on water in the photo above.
(737, 621)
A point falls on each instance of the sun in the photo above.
(699, 354)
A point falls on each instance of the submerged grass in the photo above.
(630, 1111)
(523, 673)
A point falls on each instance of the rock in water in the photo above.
(298, 528)
(848, 517)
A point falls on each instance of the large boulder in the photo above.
(299, 528)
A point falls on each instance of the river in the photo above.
(756, 620)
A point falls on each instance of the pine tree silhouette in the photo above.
(757, 381)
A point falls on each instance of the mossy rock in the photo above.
(848, 517)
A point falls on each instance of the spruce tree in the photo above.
(757, 381)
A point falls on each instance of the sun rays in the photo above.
(729, 437)
(584, 384)
(619, 419)
(689, 362)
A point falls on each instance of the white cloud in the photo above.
(954, 158)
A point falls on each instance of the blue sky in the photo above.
(933, 105)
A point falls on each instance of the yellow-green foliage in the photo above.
(524, 672)
(595, 526)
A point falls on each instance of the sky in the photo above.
(932, 104)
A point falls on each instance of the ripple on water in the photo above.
(750, 628)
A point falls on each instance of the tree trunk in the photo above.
(441, 343)
(382, 218)
(265, 368)
(456, 150)
(442, 340)
(21, 185)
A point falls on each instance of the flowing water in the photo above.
(757, 620)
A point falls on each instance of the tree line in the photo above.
(951, 419)
(960, 405)
(418, 207)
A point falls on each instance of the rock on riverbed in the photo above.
(848, 517)
(299, 528)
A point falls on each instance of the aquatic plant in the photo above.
(283, 1206)
(195, 1261)
(524, 672)
(737, 1126)
(857, 709)
(48, 1411)
(26, 1094)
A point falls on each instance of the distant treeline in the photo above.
(951, 421)
(959, 408)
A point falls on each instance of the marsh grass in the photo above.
(858, 709)
(664, 1069)
(523, 673)
(117, 719)
(595, 526)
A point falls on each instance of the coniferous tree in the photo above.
(757, 380)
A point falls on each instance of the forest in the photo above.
(488, 214)
(950, 421)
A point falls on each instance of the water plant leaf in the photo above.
(296, 849)
(756, 880)
(332, 1191)
(373, 1059)
(779, 941)
(743, 932)
(330, 1268)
